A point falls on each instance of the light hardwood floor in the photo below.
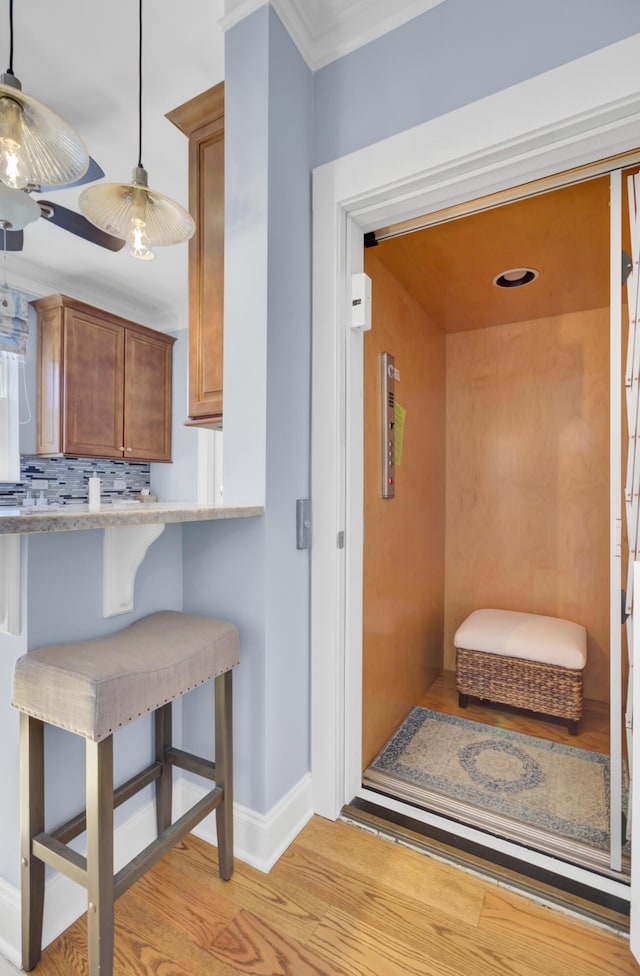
(339, 902)
(593, 730)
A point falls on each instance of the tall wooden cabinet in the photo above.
(202, 120)
(104, 384)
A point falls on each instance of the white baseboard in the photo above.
(259, 840)
(7, 968)
(9, 922)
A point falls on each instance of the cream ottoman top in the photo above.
(530, 636)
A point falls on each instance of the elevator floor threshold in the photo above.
(589, 902)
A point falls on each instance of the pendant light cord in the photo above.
(139, 84)
(10, 68)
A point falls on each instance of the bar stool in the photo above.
(93, 688)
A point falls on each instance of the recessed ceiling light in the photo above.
(515, 277)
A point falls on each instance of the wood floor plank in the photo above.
(593, 730)
(439, 950)
(294, 908)
(560, 945)
(426, 881)
(196, 908)
(68, 954)
(169, 939)
(372, 902)
(135, 954)
(255, 948)
(374, 914)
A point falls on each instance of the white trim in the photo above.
(237, 10)
(325, 32)
(209, 461)
(7, 968)
(259, 839)
(634, 920)
(9, 922)
(615, 515)
(38, 282)
(10, 585)
(576, 114)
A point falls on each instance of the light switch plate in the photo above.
(303, 523)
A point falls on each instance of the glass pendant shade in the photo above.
(141, 216)
(36, 145)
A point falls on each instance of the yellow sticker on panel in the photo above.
(400, 413)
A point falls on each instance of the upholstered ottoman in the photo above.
(522, 659)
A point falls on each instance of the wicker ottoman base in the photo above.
(545, 688)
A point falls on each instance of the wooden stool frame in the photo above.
(95, 871)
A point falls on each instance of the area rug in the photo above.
(557, 788)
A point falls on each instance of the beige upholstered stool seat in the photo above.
(94, 687)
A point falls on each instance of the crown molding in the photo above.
(325, 30)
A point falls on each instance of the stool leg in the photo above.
(164, 785)
(100, 856)
(224, 772)
(32, 823)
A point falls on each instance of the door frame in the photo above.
(575, 115)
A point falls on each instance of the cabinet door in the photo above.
(147, 406)
(206, 274)
(202, 120)
(92, 386)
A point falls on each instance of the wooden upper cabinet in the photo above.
(202, 120)
(147, 397)
(104, 384)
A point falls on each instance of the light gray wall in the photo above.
(251, 571)
(246, 260)
(288, 412)
(224, 576)
(457, 53)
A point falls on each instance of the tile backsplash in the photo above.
(67, 479)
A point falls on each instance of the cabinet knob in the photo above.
(121, 448)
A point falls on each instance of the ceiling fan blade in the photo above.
(15, 240)
(76, 224)
(94, 172)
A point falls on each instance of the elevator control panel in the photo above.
(388, 426)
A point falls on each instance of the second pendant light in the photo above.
(132, 211)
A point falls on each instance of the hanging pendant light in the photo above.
(37, 146)
(143, 217)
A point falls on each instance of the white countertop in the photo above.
(65, 518)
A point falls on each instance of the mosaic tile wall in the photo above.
(67, 479)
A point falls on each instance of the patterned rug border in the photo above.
(388, 760)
